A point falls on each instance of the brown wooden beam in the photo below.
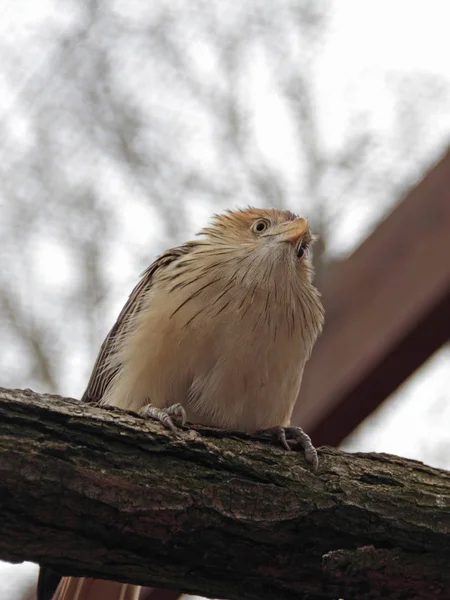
(387, 310)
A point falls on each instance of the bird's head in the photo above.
(269, 236)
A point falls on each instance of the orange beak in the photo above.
(292, 232)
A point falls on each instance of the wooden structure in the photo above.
(387, 311)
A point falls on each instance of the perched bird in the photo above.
(217, 332)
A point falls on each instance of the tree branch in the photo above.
(100, 492)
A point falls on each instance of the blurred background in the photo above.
(124, 125)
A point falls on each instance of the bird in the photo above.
(217, 332)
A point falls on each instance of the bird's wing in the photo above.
(103, 371)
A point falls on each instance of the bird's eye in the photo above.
(260, 225)
(302, 249)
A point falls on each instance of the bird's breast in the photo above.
(232, 359)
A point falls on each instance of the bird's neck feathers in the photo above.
(268, 284)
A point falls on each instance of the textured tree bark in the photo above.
(97, 492)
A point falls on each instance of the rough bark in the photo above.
(97, 492)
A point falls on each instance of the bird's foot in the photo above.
(295, 435)
(164, 415)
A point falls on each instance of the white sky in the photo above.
(368, 39)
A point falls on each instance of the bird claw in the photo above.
(296, 435)
(164, 415)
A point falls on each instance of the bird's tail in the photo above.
(81, 588)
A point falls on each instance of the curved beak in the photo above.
(292, 231)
